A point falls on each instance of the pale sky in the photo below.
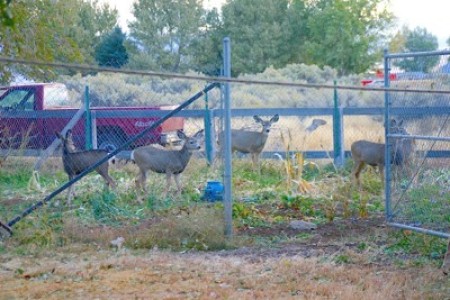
(434, 15)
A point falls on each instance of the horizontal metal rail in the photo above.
(421, 137)
(418, 229)
(242, 112)
(415, 54)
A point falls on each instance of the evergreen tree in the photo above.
(111, 52)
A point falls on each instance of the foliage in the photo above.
(49, 31)
(200, 229)
(398, 41)
(6, 16)
(257, 34)
(274, 33)
(111, 52)
(301, 203)
(132, 90)
(122, 90)
(206, 48)
(406, 241)
(178, 36)
(424, 204)
(352, 29)
(164, 31)
(418, 40)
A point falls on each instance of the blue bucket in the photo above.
(213, 191)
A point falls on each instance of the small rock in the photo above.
(302, 225)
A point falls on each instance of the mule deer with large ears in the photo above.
(75, 162)
(373, 154)
(165, 161)
(253, 142)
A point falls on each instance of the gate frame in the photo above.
(388, 136)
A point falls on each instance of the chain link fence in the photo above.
(417, 193)
(117, 111)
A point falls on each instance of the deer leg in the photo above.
(109, 181)
(140, 185)
(359, 166)
(168, 179)
(140, 180)
(255, 161)
(381, 170)
(70, 193)
(177, 181)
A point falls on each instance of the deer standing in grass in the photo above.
(75, 162)
(373, 154)
(253, 142)
(171, 162)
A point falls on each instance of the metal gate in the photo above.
(417, 132)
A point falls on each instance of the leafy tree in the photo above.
(6, 17)
(296, 27)
(257, 34)
(418, 40)
(111, 51)
(95, 21)
(398, 41)
(48, 30)
(164, 31)
(345, 34)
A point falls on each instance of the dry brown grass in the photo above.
(356, 127)
(84, 273)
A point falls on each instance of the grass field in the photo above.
(110, 245)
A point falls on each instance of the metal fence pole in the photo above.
(387, 150)
(228, 205)
(338, 130)
(209, 133)
(88, 123)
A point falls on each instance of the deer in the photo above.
(373, 154)
(75, 162)
(171, 162)
(253, 142)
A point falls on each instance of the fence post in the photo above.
(228, 205)
(209, 133)
(94, 129)
(88, 123)
(338, 130)
(387, 169)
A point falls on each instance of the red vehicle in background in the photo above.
(379, 79)
(30, 114)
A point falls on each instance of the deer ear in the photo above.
(400, 123)
(393, 123)
(199, 134)
(257, 119)
(181, 134)
(275, 119)
(69, 133)
(58, 135)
